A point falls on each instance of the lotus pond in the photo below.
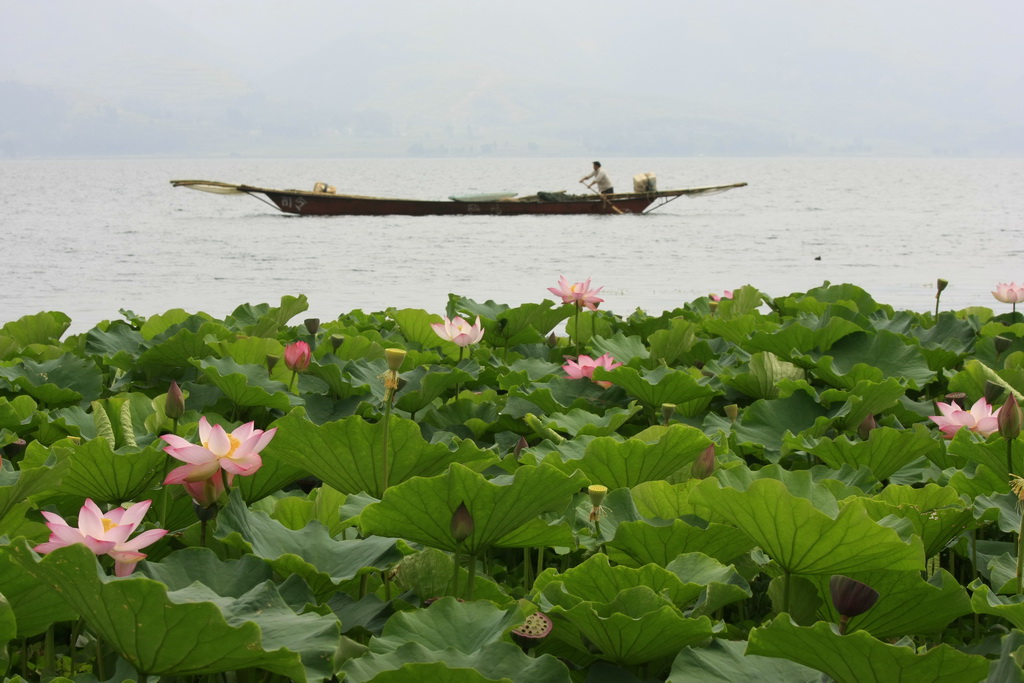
(735, 489)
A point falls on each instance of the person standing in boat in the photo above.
(601, 179)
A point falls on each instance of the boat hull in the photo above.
(311, 204)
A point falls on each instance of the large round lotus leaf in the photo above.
(421, 509)
(724, 661)
(34, 601)
(886, 450)
(495, 662)
(246, 385)
(639, 543)
(805, 540)
(347, 454)
(661, 385)
(99, 473)
(859, 658)
(195, 631)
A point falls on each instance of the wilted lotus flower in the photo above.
(851, 598)
(458, 330)
(531, 632)
(462, 523)
(104, 534)
(980, 418)
(297, 356)
(578, 293)
(235, 453)
(1009, 293)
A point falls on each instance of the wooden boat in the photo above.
(323, 201)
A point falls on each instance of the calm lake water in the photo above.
(91, 237)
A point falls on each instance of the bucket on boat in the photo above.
(645, 182)
(324, 188)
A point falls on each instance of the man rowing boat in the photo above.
(601, 179)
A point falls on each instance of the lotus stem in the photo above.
(455, 578)
(387, 586)
(527, 569)
(472, 577)
(291, 385)
(364, 584)
(202, 532)
(540, 561)
(49, 656)
(384, 439)
(1020, 552)
(577, 329)
(1009, 456)
(786, 586)
(843, 620)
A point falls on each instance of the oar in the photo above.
(604, 199)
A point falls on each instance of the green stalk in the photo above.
(576, 329)
(455, 579)
(291, 385)
(1020, 552)
(540, 560)
(786, 585)
(1009, 456)
(49, 656)
(472, 577)
(384, 438)
(527, 569)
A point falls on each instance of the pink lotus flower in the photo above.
(1009, 293)
(235, 453)
(104, 534)
(583, 367)
(578, 293)
(459, 330)
(727, 294)
(980, 418)
(297, 356)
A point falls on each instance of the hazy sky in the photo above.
(935, 68)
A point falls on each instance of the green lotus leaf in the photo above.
(1006, 669)
(40, 328)
(430, 574)
(763, 424)
(331, 370)
(346, 454)
(119, 344)
(720, 585)
(15, 412)
(34, 602)
(274, 475)
(246, 385)
(665, 501)
(669, 346)
(971, 380)
(579, 422)
(421, 508)
(737, 328)
(886, 451)
(425, 383)
(936, 512)
(907, 604)
(864, 399)
(801, 335)
(415, 324)
(639, 543)
(846, 294)
(225, 578)
(764, 371)
(860, 658)
(477, 413)
(800, 483)
(874, 357)
(620, 347)
(66, 380)
(190, 631)
(113, 477)
(615, 464)
(724, 661)
(448, 623)
(985, 601)
(254, 351)
(945, 342)
(661, 385)
(552, 397)
(177, 349)
(309, 552)
(805, 540)
(989, 452)
(8, 631)
(494, 662)
(636, 627)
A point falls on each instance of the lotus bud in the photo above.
(732, 411)
(336, 341)
(462, 523)
(312, 324)
(957, 397)
(520, 445)
(271, 362)
(704, 465)
(174, 406)
(552, 340)
(1002, 344)
(865, 427)
(851, 598)
(993, 392)
(394, 358)
(297, 356)
(667, 411)
(531, 632)
(1010, 418)
(940, 285)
